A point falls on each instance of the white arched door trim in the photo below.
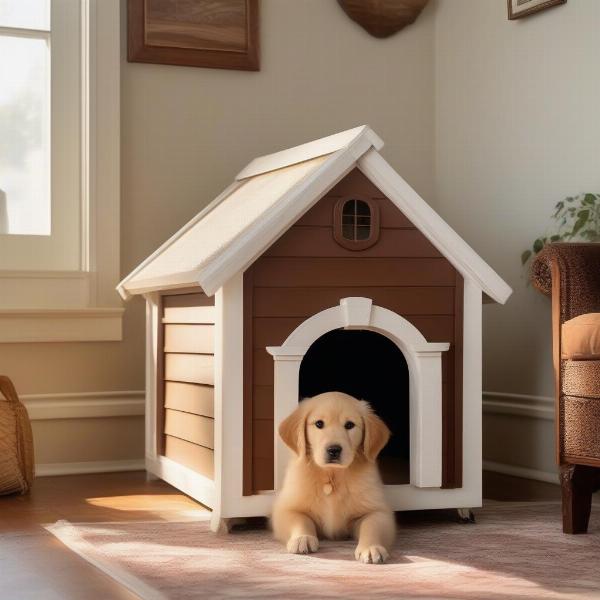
(425, 379)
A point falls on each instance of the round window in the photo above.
(356, 223)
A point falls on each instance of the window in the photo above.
(40, 135)
(25, 117)
(59, 161)
(356, 223)
(356, 220)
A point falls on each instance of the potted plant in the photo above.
(576, 218)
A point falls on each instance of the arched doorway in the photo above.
(424, 374)
(368, 366)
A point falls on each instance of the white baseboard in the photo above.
(84, 405)
(131, 403)
(523, 472)
(80, 468)
(518, 405)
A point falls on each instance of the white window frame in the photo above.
(82, 305)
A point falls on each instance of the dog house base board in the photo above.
(194, 485)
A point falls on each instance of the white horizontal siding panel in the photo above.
(189, 338)
(190, 397)
(192, 428)
(191, 368)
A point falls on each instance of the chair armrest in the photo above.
(575, 270)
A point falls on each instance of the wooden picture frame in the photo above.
(523, 8)
(217, 34)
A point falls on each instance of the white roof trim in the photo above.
(124, 289)
(358, 149)
(464, 259)
(257, 239)
(314, 149)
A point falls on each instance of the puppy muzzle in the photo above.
(333, 454)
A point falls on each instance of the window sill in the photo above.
(61, 325)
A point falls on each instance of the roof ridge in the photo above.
(308, 150)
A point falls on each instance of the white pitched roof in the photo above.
(291, 156)
(274, 191)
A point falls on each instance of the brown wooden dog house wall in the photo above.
(307, 271)
(319, 238)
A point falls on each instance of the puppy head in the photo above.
(332, 428)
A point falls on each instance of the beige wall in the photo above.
(491, 121)
(517, 129)
(102, 439)
(185, 134)
(186, 131)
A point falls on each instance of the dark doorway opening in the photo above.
(368, 366)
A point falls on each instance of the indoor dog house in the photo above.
(319, 268)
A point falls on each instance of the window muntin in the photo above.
(356, 223)
(356, 220)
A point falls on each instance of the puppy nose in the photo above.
(334, 451)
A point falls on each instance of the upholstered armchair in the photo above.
(570, 275)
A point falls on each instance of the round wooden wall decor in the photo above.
(382, 18)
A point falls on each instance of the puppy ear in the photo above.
(376, 434)
(292, 430)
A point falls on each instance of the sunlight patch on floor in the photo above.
(147, 502)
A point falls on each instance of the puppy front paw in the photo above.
(371, 554)
(303, 544)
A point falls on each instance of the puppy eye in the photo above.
(319, 424)
(349, 425)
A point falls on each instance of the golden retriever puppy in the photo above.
(332, 487)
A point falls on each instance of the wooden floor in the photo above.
(34, 565)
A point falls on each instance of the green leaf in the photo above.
(578, 225)
(559, 206)
(575, 217)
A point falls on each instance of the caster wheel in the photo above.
(465, 515)
(226, 526)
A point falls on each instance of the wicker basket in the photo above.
(16, 442)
